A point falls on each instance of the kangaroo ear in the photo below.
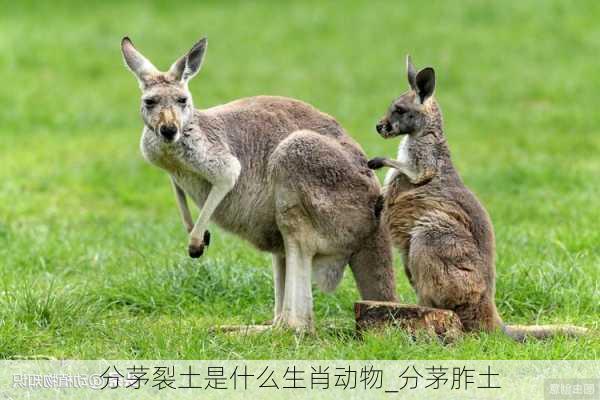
(425, 83)
(411, 72)
(136, 62)
(187, 66)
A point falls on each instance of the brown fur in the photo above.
(444, 234)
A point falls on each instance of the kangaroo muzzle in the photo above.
(168, 131)
(383, 127)
(167, 125)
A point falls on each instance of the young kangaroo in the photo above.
(275, 171)
(444, 234)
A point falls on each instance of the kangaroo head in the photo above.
(166, 100)
(413, 110)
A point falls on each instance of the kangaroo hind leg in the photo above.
(297, 309)
(448, 273)
(278, 284)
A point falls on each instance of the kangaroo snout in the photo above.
(383, 127)
(168, 131)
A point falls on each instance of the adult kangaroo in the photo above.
(443, 232)
(275, 171)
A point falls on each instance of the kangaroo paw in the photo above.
(375, 163)
(206, 238)
(195, 251)
(196, 247)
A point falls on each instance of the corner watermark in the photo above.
(574, 389)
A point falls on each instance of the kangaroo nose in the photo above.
(383, 127)
(168, 131)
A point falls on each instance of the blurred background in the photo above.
(92, 253)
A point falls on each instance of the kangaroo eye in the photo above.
(150, 102)
(182, 100)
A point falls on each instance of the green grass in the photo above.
(92, 254)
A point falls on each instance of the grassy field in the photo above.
(93, 257)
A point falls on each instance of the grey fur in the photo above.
(276, 172)
(443, 232)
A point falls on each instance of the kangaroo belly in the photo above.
(251, 215)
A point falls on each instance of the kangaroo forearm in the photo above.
(401, 166)
(222, 173)
(215, 196)
(182, 204)
(416, 175)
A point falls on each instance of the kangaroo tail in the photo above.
(373, 268)
(521, 332)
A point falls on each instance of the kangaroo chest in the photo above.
(403, 150)
(396, 177)
(171, 159)
(193, 185)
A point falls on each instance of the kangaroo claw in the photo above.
(195, 251)
(196, 247)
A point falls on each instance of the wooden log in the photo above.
(411, 318)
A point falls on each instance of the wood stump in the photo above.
(412, 318)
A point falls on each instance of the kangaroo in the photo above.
(444, 234)
(275, 171)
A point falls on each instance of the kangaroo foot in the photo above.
(295, 323)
